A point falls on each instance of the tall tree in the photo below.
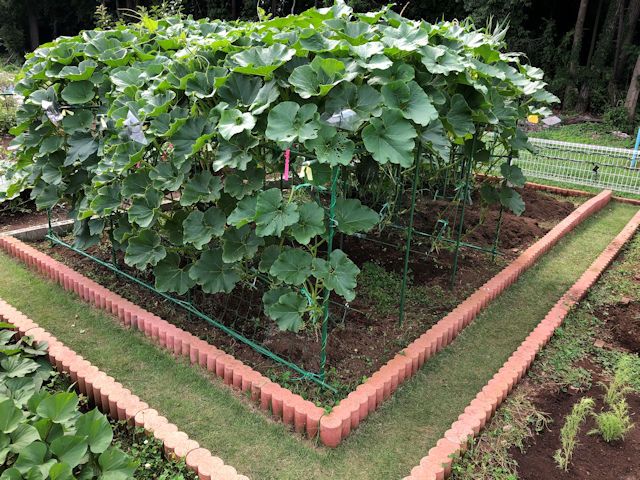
(632, 93)
(585, 88)
(631, 15)
(574, 58)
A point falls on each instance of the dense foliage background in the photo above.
(587, 48)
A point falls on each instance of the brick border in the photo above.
(291, 408)
(109, 396)
(437, 464)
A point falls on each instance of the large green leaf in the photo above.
(241, 243)
(82, 71)
(24, 435)
(191, 137)
(116, 465)
(233, 121)
(512, 200)
(351, 216)
(82, 120)
(17, 366)
(318, 77)
(203, 187)
(292, 266)
(107, 200)
(60, 407)
(96, 428)
(165, 176)
(170, 277)
(288, 122)
(364, 100)
(143, 210)
(390, 138)
(70, 448)
(213, 274)
(342, 276)
(10, 416)
(244, 90)
(33, 455)
(513, 175)
(244, 212)
(204, 84)
(332, 147)
(272, 214)
(260, 60)
(459, 117)
(288, 311)
(136, 183)
(310, 223)
(245, 183)
(81, 146)
(144, 249)
(78, 92)
(200, 227)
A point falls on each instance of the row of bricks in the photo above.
(291, 408)
(437, 464)
(108, 395)
(368, 396)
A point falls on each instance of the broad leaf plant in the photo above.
(197, 115)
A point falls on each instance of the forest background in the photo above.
(589, 49)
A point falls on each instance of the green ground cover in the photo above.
(390, 442)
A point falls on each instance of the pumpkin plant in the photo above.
(178, 132)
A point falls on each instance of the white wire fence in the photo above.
(579, 164)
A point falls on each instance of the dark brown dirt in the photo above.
(23, 215)
(622, 323)
(593, 458)
(363, 339)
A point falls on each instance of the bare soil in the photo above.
(26, 214)
(365, 336)
(593, 458)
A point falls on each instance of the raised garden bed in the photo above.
(367, 337)
(580, 363)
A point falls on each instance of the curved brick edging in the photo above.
(291, 408)
(437, 464)
(118, 402)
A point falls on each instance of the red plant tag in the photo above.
(286, 164)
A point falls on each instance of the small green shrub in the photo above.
(617, 118)
(570, 431)
(614, 424)
(621, 383)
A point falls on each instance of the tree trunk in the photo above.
(631, 19)
(34, 33)
(620, 30)
(234, 9)
(575, 49)
(594, 34)
(632, 94)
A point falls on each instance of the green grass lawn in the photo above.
(390, 442)
(589, 133)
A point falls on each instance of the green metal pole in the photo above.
(495, 240)
(325, 319)
(409, 232)
(49, 229)
(468, 164)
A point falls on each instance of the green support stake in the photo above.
(495, 240)
(467, 164)
(49, 228)
(409, 232)
(325, 315)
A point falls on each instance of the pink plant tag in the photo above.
(286, 164)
